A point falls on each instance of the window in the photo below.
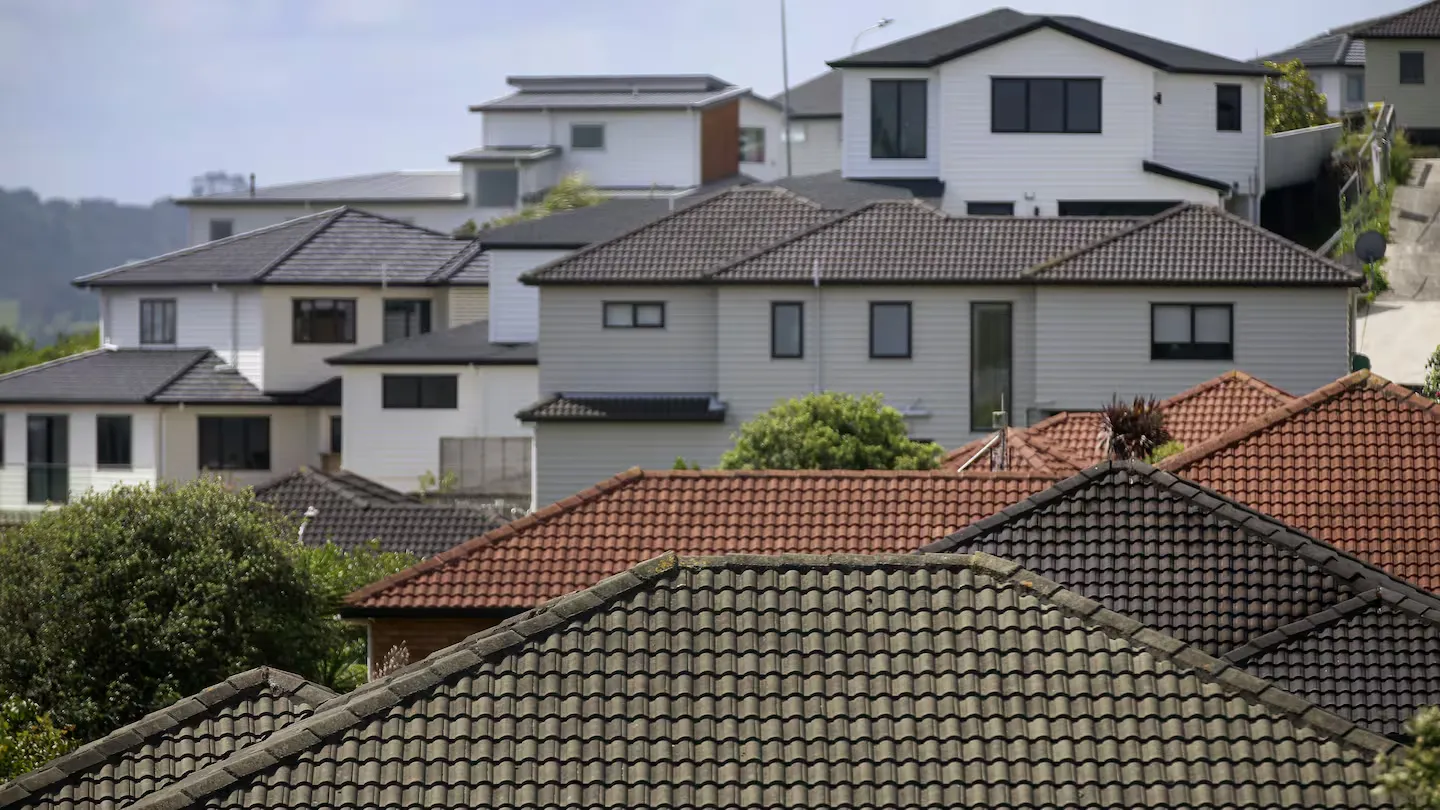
(634, 315)
(324, 320)
(990, 362)
(157, 321)
(406, 318)
(897, 118)
(787, 329)
(1114, 208)
(1227, 108)
(47, 458)
(1355, 87)
(112, 441)
(497, 188)
(889, 329)
(1412, 67)
(796, 134)
(990, 209)
(335, 435)
(234, 442)
(587, 136)
(752, 144)
(1045, 105)
(221, 228)
(419, 391)
(1191, 332)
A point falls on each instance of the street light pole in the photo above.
(884, 21)
(785, 77)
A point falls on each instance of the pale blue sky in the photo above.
(128, 99)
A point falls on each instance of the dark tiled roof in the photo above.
(625, 408)
(1420, 22)
(465, 344)
(682, 245)
(325, 394)
(522, 154)
(637, 515)
(1335, 49)
(606, 100)
(401, 186)
(580, 227)
(212, 380)
(808, 682)
(353, 510)
(1353, 462)
(952, 41)
(339, 246)
(169, 744)
(1193, 564)
(1195, 244)
(833, 191)
(102, 375)
(819, 97)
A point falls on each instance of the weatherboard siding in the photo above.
(579, 355)
(755, 113)
(1093, 343)
(856, 122)
(572, 456)
(466, 305)
(821, 151)
(515, 307)
(1185, 133)
(1416, 105)
(642, 147)
(291, 366)
(440, 216)
(84, 473)
(226, 320)
(293, 442)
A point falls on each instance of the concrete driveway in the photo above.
(1400, 330)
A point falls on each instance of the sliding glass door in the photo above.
(991, 361)
(47, 458)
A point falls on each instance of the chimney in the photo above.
(252, 184)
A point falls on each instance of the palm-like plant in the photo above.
(1132, 430)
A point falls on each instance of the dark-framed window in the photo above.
(587, 136)
(752, 144)
(634, 314)
(898, 118)
(406, 317)
(437, 391)
(1114, 208)
(1412, 67)
(324, 320)
(113, 440)
(1227, 108)
(990, 209)
(497, 188)
(1355, 87)
(890, 329)
(1192, 332)
(992, 346)
(221, 228)
(787, 329)
(336, 434)
(234, 442)
(1045, 105)
(47, 458)
(157, 321)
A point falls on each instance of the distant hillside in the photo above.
(45, 244)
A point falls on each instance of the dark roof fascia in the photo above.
(60, 403)
(815, 117)
(1179, 174)
(533, 245)
(361, 612)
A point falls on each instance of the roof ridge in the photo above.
(1168, 213)
(876, 474)
(458, 262)
(1233, 375)
(159, 721)
(497, 535)
(844, 216)
(202, 355)
(1289, 244)
(382, 694)
(1039, 443)
(1029, 504)
(1300, 628)
(325, 222)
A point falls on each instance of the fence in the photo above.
(487, 465)
(1370, 170)
(1298, 156)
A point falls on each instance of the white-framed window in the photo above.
(634, 314)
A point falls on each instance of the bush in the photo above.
(1414, 779)
(1133, 430)
(1431, 388)
(28, 738)
(1164, 451)
(829, 431)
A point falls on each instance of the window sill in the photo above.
(892, 357)
(115, 467)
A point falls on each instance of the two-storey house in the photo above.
(1335, 61)
(216, 358)
(1402, 67)
(660, 343)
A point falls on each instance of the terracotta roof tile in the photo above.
(637, 515)
(1356, 463)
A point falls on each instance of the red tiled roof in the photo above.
(638, 515)
(1356, 463)
(1192, 416)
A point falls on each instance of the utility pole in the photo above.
(785, 77)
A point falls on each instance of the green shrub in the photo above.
(29, 738)
(1164, 451)
(829, 431)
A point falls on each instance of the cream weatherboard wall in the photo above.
(85, 474)
(571, 456)
(1416, 105)
(227, 320)
(464, 305)
(817, 146)
(440, 216)
(642, 148)
(1094, 342)
(397, 446)
(295, 440)
(515, 307)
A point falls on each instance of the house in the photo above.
(1353, 463)
(808, 682)
(169, 744)
(1335, 61)
(636, 515)
(815, 124)
(662, 342)
(350, 510)
(1037, 115)
(1201, 567)
(1402, 67)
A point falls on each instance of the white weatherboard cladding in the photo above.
(1040, 169)
(856, 122)
(397, 446)
(577, 354)
(820, 150)
(936, 378)
(466, 305)
(293, 441)
(1416, 105)
(755, 113)
(572, 456)
(292, 366)
(226, 320)
(1093, 343)
(1185, 133)
(84, 473)
(440, 216)
(515, 307)
(642, 147)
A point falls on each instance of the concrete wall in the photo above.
(440, 216)
(83, 471)
(1299, 155)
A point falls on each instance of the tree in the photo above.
(1133, 430)
(570, 193)
(124, 601)
(1431, 387)
(29, 738)
(1291, 100)
(23, 354)
(829, 431)
(1414, 780)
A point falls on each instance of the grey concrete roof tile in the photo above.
(100, 376)
(397, 186)
(467, 344)
(819, 97)
(625, 408)
(1334, 49)
(1418, 22)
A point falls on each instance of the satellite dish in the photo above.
(1370, 247)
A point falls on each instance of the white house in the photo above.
(815, 124)
(660, 343)
(1335, 61)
